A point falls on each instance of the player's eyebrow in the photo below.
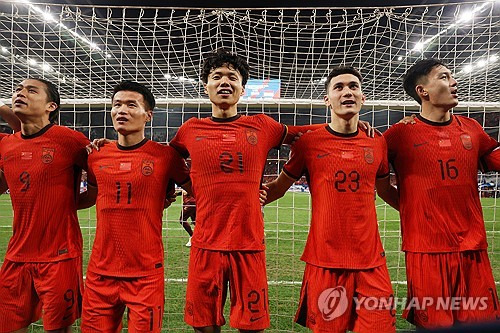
(345, 83)
(29, 86)
(126, 101)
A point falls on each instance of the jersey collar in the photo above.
(137, 145)
(434, 123)
(342, 135)
(37, 134)
(225, 120)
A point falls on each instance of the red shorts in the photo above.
(336, 300)
(29, 289)
(189, 212)
(106, 298)
(208, 277)
(449, 288)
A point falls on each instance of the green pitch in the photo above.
(286, 232)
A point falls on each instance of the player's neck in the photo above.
(435, 114)
(30, 127)
(130, 139)
(344, 125)
(220, 112)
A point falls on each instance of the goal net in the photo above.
(86, 50)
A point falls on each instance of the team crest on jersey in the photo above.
(369, 155)
(466, 141)
(252, 136)
(47, 155)
(147, 167)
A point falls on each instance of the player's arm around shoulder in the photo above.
(278, 187)
(385, 190)
(88, 198)
(9, 116)
(3, 183)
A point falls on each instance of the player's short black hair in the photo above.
(52, 96)
(149, 99)
(220, 58)
(339, 70)
(416, 73)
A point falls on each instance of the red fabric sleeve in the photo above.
(295, 166)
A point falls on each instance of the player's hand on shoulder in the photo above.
(96, 144)
(408, 120)
(297, 137)
(365, 126)
(263, 194)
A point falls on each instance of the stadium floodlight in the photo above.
(48, 17)
(4, 49)
(182, 78)
(32, 62)
(167, 76)
(467, 16)
(400, 58)
(46, 67)
(108, 55)
(418, 47)
(493, 58)
(481, 63)
(467, 68)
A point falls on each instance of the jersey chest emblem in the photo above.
(147, 167)
(369, 158)
(466, 141)
(252, 136)
(47, 155)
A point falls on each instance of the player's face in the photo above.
(224, 86)
(344, 95)
(129, 112)
(30, 99)
(439, 88)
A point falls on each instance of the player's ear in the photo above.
(242, 91)
(363, 99)
(51, 106)
(327, 100)
(205, 88)
(421, 91)
(149, 115)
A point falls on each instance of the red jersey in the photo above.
(227, 163)
(43, 171)
(132, 186)
(341, 170)
(436, 167)
(3, 135)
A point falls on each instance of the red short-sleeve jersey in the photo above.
(341, 171)
(43, 173)
(227, 163)
(132, 185)
(436, 166)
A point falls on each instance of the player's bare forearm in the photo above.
(387, 192)
(87, 199)
(278, 187)
(187, 186)
(11, 119)
(3, 183)
(491, 162)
